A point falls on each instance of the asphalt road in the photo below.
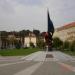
(37, 64)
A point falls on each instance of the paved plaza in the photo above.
(38, 63)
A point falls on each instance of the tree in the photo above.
(57, 43)
(11, 40)
(36, 32)
(23, 34)
(4, 36)
(40, 43)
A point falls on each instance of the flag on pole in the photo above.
(50, 24)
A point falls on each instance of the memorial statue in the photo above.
(49, 33)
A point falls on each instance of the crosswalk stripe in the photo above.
(2, 65)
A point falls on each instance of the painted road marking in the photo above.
(66, 66)
(29, 70)
(2, 65)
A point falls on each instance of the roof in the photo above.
(67, 26)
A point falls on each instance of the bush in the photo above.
(32, 45)
(72, 46)
(66, 45)
(57, 43)
(17, 44)
(40, 43)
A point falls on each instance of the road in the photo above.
(39, 63)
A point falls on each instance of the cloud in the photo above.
(32, 14)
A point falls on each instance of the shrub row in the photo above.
(66, 45)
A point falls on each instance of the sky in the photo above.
(16, 15)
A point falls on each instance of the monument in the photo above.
(49, 33)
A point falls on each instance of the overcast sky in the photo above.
(17, 15)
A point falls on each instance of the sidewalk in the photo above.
(41, 56)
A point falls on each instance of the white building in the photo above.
(31, 38)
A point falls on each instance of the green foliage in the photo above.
(36, 32)
(72, 46)
(17, 44)
(24, 33)
(40, 43)
(3, 34)
(69, 52)
(57, 43)
(66, 45)
(32, 45)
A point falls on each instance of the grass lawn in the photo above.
(18, 52)
(69, 52)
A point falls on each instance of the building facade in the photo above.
(66, 33)
(30, 39)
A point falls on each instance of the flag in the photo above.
(50, 25)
